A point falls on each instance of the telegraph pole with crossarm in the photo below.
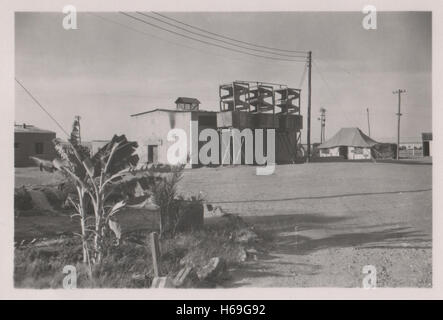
(399, 92)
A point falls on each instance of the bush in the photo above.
(22, 199)
(188, 215)
(55, 196)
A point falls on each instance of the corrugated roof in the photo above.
(351, 137)
(27, 128)
(170, 110)
(187, 100)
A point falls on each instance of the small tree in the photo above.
(95, 179)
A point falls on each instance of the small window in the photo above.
(39, 148)
(16, 145)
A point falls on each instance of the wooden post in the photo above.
(309, 107)
(399, 92)
(155, 250)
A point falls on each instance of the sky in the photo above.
(113, 66)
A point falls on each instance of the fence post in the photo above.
(155, 250)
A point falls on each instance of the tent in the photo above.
(348, 143)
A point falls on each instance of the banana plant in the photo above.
(95, 179)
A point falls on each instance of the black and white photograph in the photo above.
(222, 150)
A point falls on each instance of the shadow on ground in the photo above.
(251, 271)
(317, 232)
(398, 237)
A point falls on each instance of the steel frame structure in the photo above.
(264, 97)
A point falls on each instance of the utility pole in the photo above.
(309, 106)
(399, 92)
(322, 124)
(369, 126)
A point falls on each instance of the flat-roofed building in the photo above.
(30, 141)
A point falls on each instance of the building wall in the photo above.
(285, 145)
(354, 153)
(25, 147)
(331, 152)
(151, 129)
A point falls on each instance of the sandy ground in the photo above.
(326, 221)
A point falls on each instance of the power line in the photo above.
(303, 76)
(43, 108)
(331, 91)
(169, 41)
(228, 38)
(227, 42)
(209, 43)
(324, 80)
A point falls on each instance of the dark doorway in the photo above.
(425, 148)
(152, 153)
(343, 152)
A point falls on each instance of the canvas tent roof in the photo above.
(351, 137)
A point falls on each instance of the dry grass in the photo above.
(40, 266)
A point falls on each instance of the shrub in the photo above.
(22, 199)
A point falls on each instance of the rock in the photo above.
(212, 211)
(245, 236)
(186, 278)
(162, 282)
(212, 270)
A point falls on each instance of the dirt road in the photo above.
(328, 220)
